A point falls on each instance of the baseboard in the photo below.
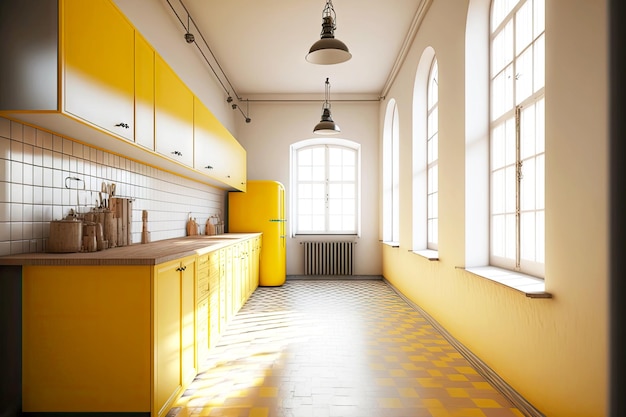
(334, 277)
(485, 371)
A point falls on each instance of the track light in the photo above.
(189, 37)
(328, 50)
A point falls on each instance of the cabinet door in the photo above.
(188, 320)
(217, 152)
(173, 115)
(98, 65)
(144, 93)
(167, 323)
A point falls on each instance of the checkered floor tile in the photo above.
(340, 348)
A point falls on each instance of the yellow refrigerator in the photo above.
(261, 208)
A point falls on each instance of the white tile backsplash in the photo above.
(35, 163)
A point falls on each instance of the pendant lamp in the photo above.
(326, 126)
(328, 50)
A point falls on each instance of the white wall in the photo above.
(276, 125)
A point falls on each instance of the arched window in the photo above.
(517, 139)
(391, 175)
(432, 157)
(325, 187)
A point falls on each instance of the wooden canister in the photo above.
(110, 228)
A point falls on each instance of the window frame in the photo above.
(326, 144)
(509, 106)
(432, 159)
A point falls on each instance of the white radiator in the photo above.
(328, 258)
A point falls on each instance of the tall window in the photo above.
(432, 152)
(517, 135)
(391, 175)
(325, 187)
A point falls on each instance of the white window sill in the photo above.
(431, 255)
(392, 244)
(531, 286)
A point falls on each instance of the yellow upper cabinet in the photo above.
(173, 115)
(217, 152)
(144, 92)
(98, 65)
(80, 69)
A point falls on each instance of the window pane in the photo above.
(540, 180)
(510, 237)
(335, 172)
(523, 27)
(318, 224)
(433, 86)
(305, 191)
(348, 191)
(318, 191)
(539, 20)
(509, 189)
(524, 76)
(527, 185)
(497, 192)
(497, 235)
(499, 11)
(502, 93)
(318, 173)
(540, 126)
(539, 54)
(305, 157)
(540, 237)
(432, 122)
(527, 132)
(528, 229)
(497, 147)
(502, 49)
(318, 156)
(348, 207)
(334, 156)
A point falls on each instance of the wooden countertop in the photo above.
(152, 253)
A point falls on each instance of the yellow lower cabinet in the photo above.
(126, 338)
(174, 331)
(86, 339)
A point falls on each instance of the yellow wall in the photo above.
(552, 351)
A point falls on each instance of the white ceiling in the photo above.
(260, 45)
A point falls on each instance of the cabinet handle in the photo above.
(124, 125)
(208, 167)
(181, 268)
(177, 153)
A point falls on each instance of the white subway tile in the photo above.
(37, 175)
(17, 131)
(17, 173)
(5, 148)
(44, 139)
(5, 212)
(30, 135)
(27, 194)
(16, 230)
(5, 127)
(27, 173)
(57, 143)
(16, 193)
(17, 150)
(5, 231)
(27, 230)
(37, 156)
